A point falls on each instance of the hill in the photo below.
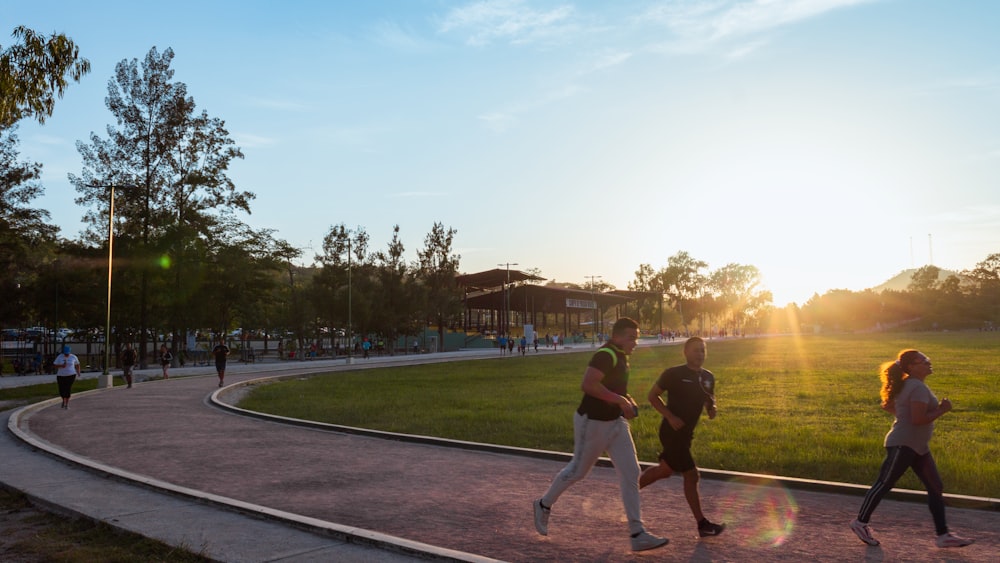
(901, 281)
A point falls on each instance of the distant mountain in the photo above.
(901, 281)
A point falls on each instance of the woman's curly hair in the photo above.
(893, 373)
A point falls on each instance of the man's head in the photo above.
(695, 352)
(625, 334)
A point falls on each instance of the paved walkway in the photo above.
(319, 494)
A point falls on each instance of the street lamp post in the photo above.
(350, 324)
(593, 299)
(106, 380)
(506, 297)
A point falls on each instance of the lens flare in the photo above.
(165, 262)
(762, 512)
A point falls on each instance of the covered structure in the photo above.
(498, 304)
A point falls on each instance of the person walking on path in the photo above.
(907, 444)
(165, 358)
(601, 424)
(221, 352)
(67, 370)
(128, 359)
(690, 389)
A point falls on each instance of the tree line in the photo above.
(185, 260)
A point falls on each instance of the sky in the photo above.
(829, 143)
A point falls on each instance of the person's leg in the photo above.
(691, 493)
(655, 473)
(589, 442)
(897, 460)
(621, 450)
(927, 472)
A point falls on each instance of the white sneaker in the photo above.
(645, 540)
(863, 531)
(951, 540)
(542, 518)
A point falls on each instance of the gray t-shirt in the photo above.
(903, 432)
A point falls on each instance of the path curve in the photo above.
(474, 502)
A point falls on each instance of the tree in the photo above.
(33, 72)
(684, 283)
(175, 162)
(396, 311)
(26, 236)
(437, 269)
(735, 286)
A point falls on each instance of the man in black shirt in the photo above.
(690, 388)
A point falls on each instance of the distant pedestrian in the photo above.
(690, 390)
(221, 353)
(522, 345)
(600, 425)
(67, 370)
(907, 445)
(165, 358)
(502, 341)
(366, 347)
(128, 359)
(510, 345)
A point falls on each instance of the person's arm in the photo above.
(920, 414)
(656, 399)
(76, 364)
(593, 385)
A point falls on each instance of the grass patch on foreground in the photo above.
(29, 534)
(793, 406)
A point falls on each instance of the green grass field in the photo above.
(793, 406)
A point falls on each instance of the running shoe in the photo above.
(863, 531)
(951, 540)
(645, 540)
(542, 518)
(706, 528)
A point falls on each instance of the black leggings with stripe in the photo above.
(897, 460)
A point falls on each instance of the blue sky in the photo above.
(829, 143)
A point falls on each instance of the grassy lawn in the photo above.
(793, 406)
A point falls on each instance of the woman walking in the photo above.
(67, 369)
(905, 394)
(165, 358)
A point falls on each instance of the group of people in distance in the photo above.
(601, 424)
(67, 366)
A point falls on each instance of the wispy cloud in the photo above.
(511, 21)
(418, 194)
(504, 119)
(698, 25)
(401, 38)
(248, 140)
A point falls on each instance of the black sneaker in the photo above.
(706, 528)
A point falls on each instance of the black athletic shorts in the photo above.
(676, 449)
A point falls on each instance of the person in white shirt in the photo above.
(67, 369)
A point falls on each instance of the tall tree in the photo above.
(684, 283)
(26, 236)
(437, 269)
(33, 72)
(174, 163)
(396, 311)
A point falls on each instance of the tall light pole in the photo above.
(106, 380)
(506, 298)
(350, 325)
(593, 299)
